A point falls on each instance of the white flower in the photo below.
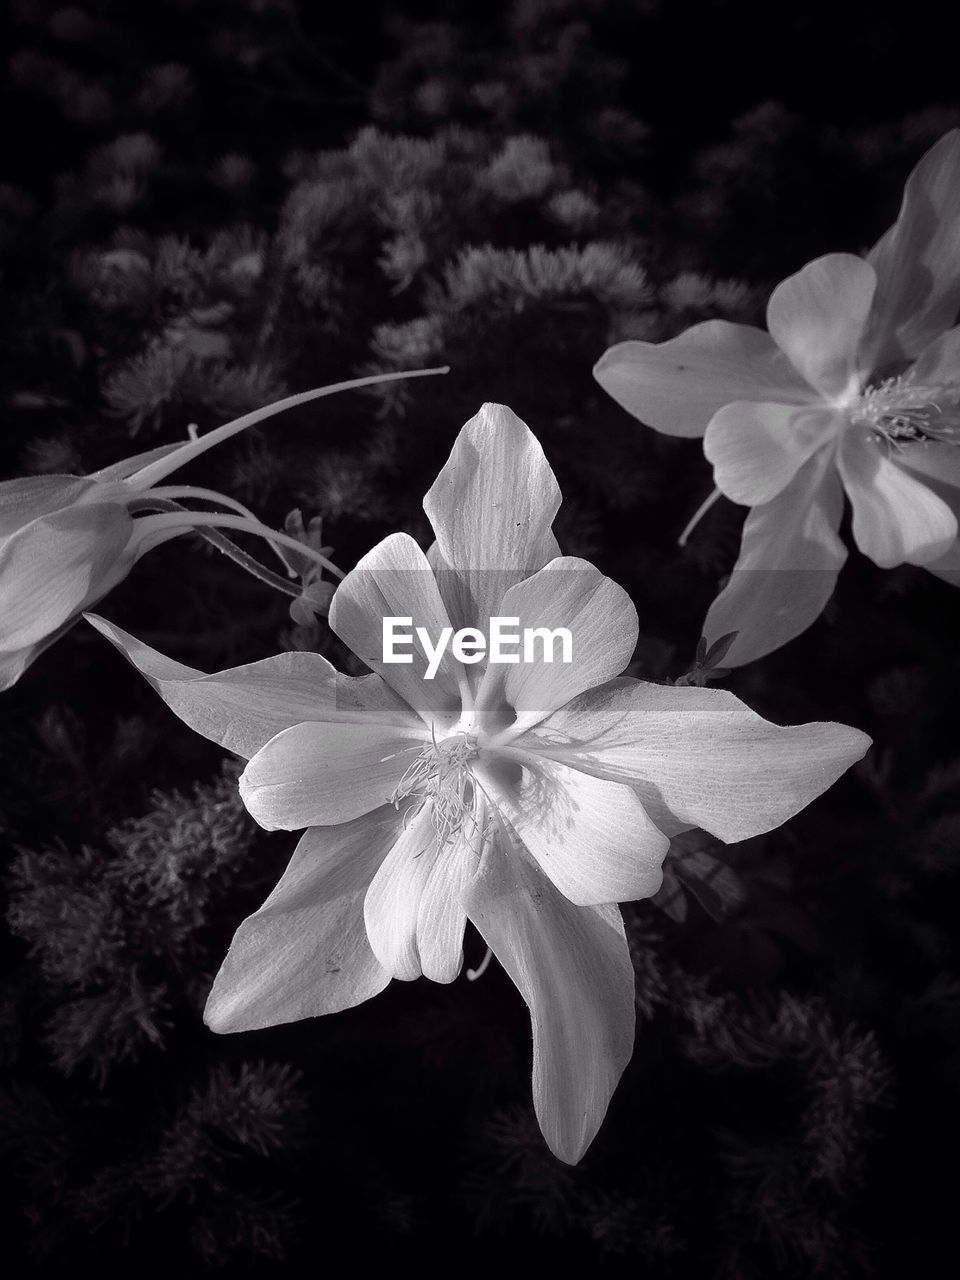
(854, 391)
(528, 799)
(66, 541)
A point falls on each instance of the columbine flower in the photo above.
(65, 541)
(855, 389)
(528, 798)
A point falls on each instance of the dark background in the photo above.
(207, 204)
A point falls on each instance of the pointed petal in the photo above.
(591, 837)
(790, 556)
(896, 518)
(817, 316)
(242, 708)
(572, 966)
(391, 906)
(29, 497)
(57, 565)
(757, 449)
(396, 580)
(918, 260)
(491, 508)
(602, 622)
(305, 952)
(715, 762)
(676, 387)
(320, 773)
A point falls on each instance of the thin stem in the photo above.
(481, 969)
(697, 516)
(167, 525)
(195, 491)
(162, 467)
(248, 562)
(211, 495)
(222, 544)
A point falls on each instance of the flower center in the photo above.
(442, 774)
(901, 411)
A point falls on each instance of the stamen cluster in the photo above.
(900, 411)
(442, 775)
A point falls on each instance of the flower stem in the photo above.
(481, 969)
(224, 545)
(250, 563)
(211, 495)
(697, 516)
(162, 467)
(156, 529)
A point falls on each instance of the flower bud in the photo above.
(64, 543)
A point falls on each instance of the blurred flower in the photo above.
(522, 170)
(233, 171)
(65, 541)
(164, 86)
(854, 391)
(528, 799)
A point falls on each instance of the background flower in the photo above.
(855, 390)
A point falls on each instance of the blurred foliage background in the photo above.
(208, 203)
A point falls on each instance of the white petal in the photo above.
(715, 763)
(592, 837)
(676, 387)
(14, 662)
(602, 621)
(28, 498)
(937, 463)
(572, 966)
(441, 918)
(395, 580)
(790, 556)
(757, 449)
(305, 952)
(947, 566)
(939, 466)
(939, 361)
(319, 773)
(817, 317)
(491, 507)
(918, 260)
(896, 518)
(244, 707)
(58, 564)
(392, 903)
